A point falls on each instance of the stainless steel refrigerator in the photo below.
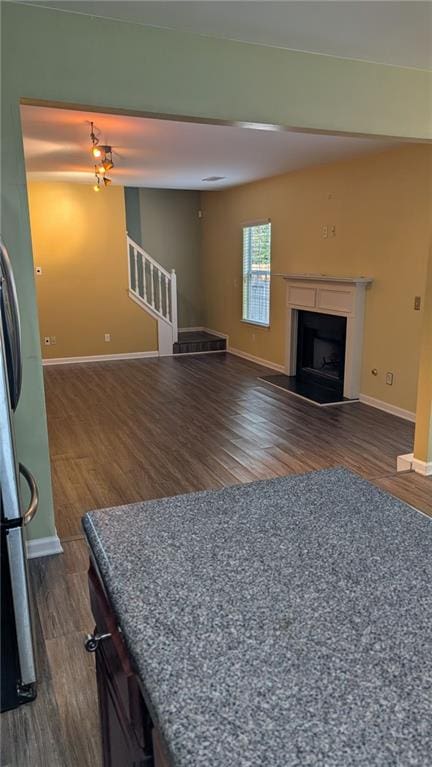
(18, 674)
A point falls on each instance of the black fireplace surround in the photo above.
(321, 350)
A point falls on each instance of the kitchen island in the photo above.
(280, 623)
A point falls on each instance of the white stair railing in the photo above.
(154, 289)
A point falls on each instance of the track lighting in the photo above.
(103, 154)
(96, 151)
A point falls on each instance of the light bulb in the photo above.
(96, 188)
(101, 169)
(96, 151)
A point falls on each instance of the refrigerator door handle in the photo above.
(8, 276)
(21, 607)
(34, 500)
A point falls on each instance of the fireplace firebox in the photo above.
(321, 340)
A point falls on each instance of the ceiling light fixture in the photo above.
(96, 152)
(213, 178)
(103, 154)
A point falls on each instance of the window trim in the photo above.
(246, 225)
(255, 222)
(255, 322)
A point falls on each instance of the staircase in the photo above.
(154, 289)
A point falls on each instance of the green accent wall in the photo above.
(85, 60)
(171, 233)
(133, 216)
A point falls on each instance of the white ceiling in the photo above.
(169, 154)
(385, 31)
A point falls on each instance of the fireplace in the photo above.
(324, 336)
(321, 340)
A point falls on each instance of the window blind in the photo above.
(256, 273)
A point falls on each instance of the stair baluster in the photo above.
(160, 291)
(144, 278)
(136, 270)
(167, 306)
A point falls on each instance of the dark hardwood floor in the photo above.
(61, 727)
(123, 432)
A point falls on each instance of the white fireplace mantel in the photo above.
(341, 296)
(322, 278)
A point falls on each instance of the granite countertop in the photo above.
(279, 623)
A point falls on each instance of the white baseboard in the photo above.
(99, 358)
(407, 462)
(387, 408)
(43, 547)
(217, 333)
(422, 467)
(197, 329)
(404, 462)
(257, 360)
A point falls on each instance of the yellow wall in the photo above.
(379, 205)
(423, 432)
(78, 238)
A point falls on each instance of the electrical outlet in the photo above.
(53, 340)
(107, 337)
(417, 303)
(47, 341)
(389, 379)
(324, 231)
(38, 270)
(333, 230)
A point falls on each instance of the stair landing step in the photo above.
(198, 341)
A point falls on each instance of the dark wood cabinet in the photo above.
(129, 738)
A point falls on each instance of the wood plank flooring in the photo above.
(122, 432)
(61, 727)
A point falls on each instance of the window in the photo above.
(256, 273)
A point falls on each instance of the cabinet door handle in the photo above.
(92, 641)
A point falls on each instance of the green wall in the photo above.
(133, 215)
(171, 233)
(85, 60)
